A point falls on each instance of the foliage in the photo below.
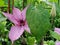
(36, 21)
(1, 3)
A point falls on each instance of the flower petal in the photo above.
(10, 17)
(15, 33)
(26, 27)
(24, 12)
(57, 43)
(57, 30)
(17, 13)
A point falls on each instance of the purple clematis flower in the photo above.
(57, 43)
(57, 30)
(20, 24)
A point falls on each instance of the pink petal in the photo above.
(10, 17)
(57, 43)
(26, 27)
(17, 13)
(57, 30)
(15, 33)
(24, 13)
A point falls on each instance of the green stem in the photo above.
(58, 2)
(12, 5)
(8, 6)
(23, 42)
(12, 44)
(40, 42)
(24, 3)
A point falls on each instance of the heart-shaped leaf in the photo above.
(38, 21)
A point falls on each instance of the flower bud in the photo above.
(53, 10)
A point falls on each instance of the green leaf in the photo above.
(1, 3)
(58, 8)
(2, 25)
(38, 21)
(54, 1)
(2, 19)
(30, 1)
(51, 42)
(30, 40)
(55, 35)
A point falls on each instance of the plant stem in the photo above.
(58, 2)
(8, 6)
(52, 22)
(12, 5)
(41, 43)
(12, 44)
(23, 41)
(24, 3)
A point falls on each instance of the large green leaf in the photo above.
(38, 21)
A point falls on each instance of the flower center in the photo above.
(22, 23)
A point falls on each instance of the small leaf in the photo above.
(55, 35)
(30, 40)
(1, 3)
(2, 19)
(51, 42)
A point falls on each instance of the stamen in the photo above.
(22, 23)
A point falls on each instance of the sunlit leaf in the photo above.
(31, 40)
(1, 3)
(54, 1)
(55, 35)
